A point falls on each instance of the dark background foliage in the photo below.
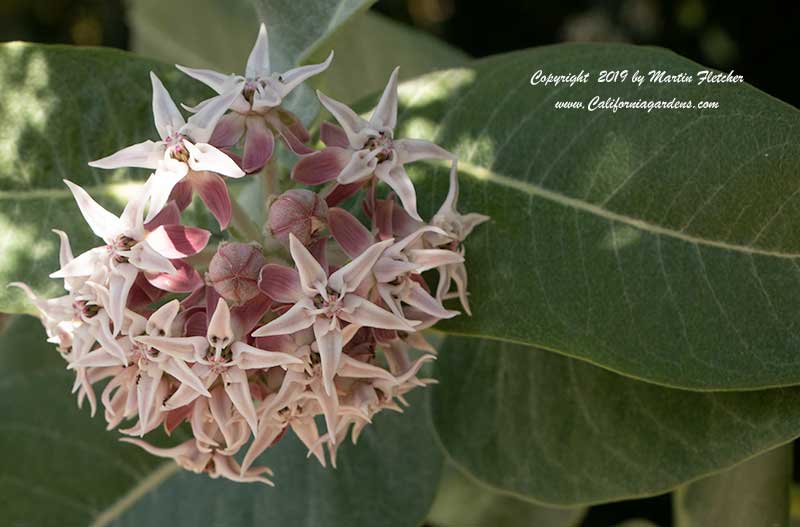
(756, 39)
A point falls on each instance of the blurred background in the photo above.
(757, 40)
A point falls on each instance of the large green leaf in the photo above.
(60, 467)
(752, 494)
(221, 34)
(661, 245)
(560, 431)
(462, 502)
(62, 107)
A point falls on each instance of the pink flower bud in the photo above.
(299, 212)
(234, 269)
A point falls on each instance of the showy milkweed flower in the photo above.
(240, 342)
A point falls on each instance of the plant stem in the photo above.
(242, 223)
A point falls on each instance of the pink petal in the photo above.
(229, 130)
(245, 317)
(319, 250)
(182, 194)
(143, 293)
(165, 114)
(249, 357)
(313, 277)
(340, 192)
(294, 125)
(267, 434)
(365, 313)
(294, 77)
(399, 181)
(218, 82)
(409, 150)
(419, 298)
(237, 388)
(142, 155)
(204, 157)
(103, 223)
(349, 232)
(258, 60)
(185, 279)
(258, 145)
(385, 114)
(280, 283)
(349, 277)
(292, 321)
(348, 119)
(176, 241)
(200, 126)
(333, 135)
(212, 190)
(196, 324)
(169, 215)
(321, 166)
(293, 136)
(329, 345)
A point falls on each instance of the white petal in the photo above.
(348, 119)
(313, 278)
(206, 157)
(119, 285)
(219, 82)
(103, 223)
(238, 389)
(147, 259)
(161, 183)
(249, 357)
(141, 155)
(349, 277)
(167, 117)
(185, 375)
(329, 345)
(220, 332)
(365, 313)
(294, 77)
(258, 61)
(384, 117)
(160, 322)
(410, 150)
(294, 320)
(362, 164)
(201, 125)
(84, 265)
(399, 181)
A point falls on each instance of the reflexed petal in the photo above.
(292, 78)
(102, 333)
(384, 117)
(333, 135)
(351, 123)
(183, 450)
(219, 82)
(147, 259)
(329, 345)
(212, 190)
(201, 125)
(220, 406)
(258, 60)
(141, 155)
(387, 269)
(280, 283)
(293, 135)
(228, 131)
(450, 201)
(361, 165)
(177, 241)
(65, 250)
(267, 434)
(339, 193)
(185, 279)
(330, 407)
(399, 181)
(322, 166)
(238, 389)
(459, 275)
(350, 233)
(246, 316)
(292, 321)
(306, 431)
(205, 157)
(249, 357)
(470, 221)
(365, 313)
(181, 371)
(349, 277)
(103, 223)
(165, 114)
(131, 220)
(169, 215)
(226, 467)
(258, 145)
(313, 277)
(161, 184)
(409, 150)
(182, 194)
(146, 396)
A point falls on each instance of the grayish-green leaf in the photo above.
(61, 467)
(560, 431)
(462, 502)
(662, 245)
(752, 494)
(221, 34)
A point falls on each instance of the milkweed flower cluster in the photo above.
(231, 343)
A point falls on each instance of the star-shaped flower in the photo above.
(323, 302)
(129, 248)
(256, 110)
(182, 155)
(362, 149)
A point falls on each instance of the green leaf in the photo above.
(660, 245)
(221, 34)
(61, 467)
(755, 492)
(560, 431)
(62, 107)
(462, 502)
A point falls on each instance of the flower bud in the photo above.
(234, 269)
(299, 212)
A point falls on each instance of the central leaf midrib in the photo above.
(484, 174)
